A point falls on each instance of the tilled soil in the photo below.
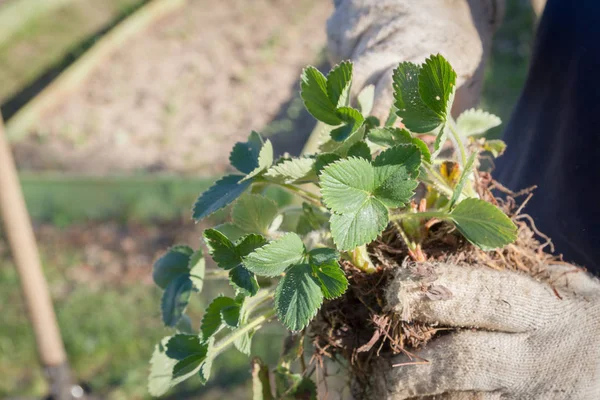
(177, 97)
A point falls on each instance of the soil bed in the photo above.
(177, 97)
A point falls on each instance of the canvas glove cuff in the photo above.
(516, 337)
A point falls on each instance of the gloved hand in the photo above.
(379, 34)
(518, 338)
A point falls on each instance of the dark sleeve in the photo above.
(553, 135)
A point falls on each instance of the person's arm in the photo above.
(379, 34)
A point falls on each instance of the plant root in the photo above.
(357, 326)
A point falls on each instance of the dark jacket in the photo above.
(553, 136)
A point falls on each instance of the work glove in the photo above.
(511, 337)
(377, 35)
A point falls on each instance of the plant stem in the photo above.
(306, 195)
(259, 300)
(409, 244)
(426, 214)
(438, 180)
(361, 260)
(228, 340)
(458, 141)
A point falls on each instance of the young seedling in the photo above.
(284, 262)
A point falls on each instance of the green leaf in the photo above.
(437, 82)
(462, 180)
(360, 149)
(440, 139)
(496, 147)
(358, 193)
(220, 195)
(231, 231)
(175, 299)
(295, 170)
(228, 256)
(423, 148)
(314, 94)
(331, 278)
(249, 243)
(244, 342)
(221, 249)
(323, 255)
(339, 81)
(244, 280)
(347, 184)
(405, 155)
(359, 226)
(172, 264)
(353, 121)
(265, 160)
(254, 213)
(323, 160)
(175, 359)
(389, 136)
(392, 116)
(272, 259)
(395, 170)
(193, 365)
(222, 310)
(192, 354)
(483, 224)
(181, 346)
(365, 99)
(341, 148)
(178, 272)
(187, 367)
(371, 122)
(415, 114)
(244, 156)
(297, 297)
(161, 369)
(312, 219)
(197, 267)
(476, 122)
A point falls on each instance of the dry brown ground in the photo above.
(179, 96)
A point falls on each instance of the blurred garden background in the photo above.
(119, 113)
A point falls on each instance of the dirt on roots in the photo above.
(359, 328)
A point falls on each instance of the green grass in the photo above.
(64, 200)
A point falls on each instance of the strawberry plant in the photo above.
(283, 263)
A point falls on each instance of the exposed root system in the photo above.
(357, 326)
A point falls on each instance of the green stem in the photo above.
(361, 260)
(426, 214)
(409, 243)
(267, 295)
(439, 180)
(459, 142)
(228, 340)
(306, 195)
